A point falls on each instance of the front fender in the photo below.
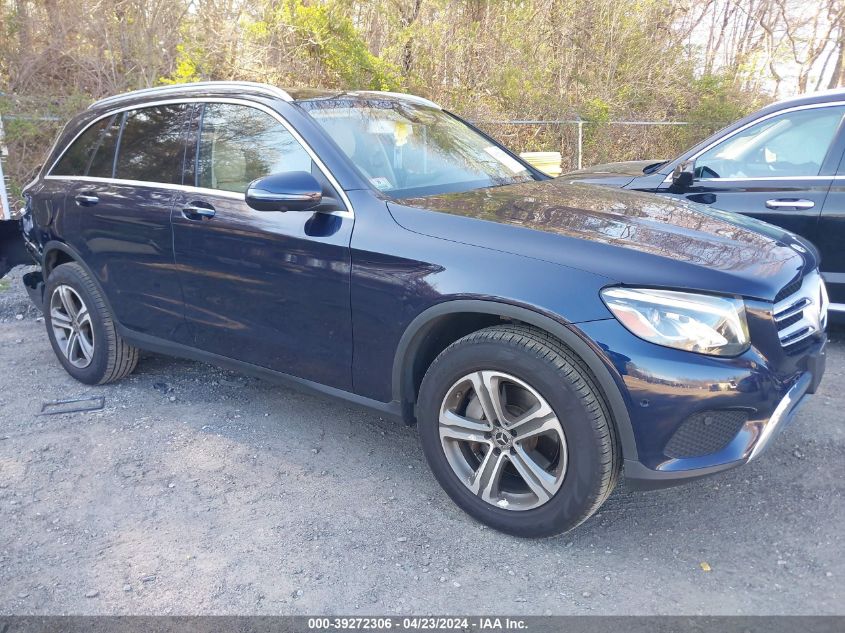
(599, 364)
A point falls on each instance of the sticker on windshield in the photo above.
(380, 182)
(500, 155)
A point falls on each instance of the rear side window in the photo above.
(151, 147)
(74, 162)
(102, 161)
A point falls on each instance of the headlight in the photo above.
(692, 322)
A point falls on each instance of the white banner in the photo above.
(5, 208)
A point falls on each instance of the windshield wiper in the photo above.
(650, 169)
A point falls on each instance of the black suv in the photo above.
(546, 337)
(783, 164)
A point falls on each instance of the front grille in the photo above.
(705, 433)
(790, 289)
(800, 310)
(782, 325)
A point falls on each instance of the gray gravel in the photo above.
(198, 490)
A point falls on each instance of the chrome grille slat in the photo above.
(802, 313)
(792, 310)
(796, 333)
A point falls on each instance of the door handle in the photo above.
(86, 199)
(789, 203)
(196, 212)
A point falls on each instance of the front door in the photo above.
(267, 288)
(831, 242)
(778, 170)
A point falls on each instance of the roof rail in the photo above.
(197, 86)
(399, 95)
(831, 92)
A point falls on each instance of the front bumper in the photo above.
(748, 444)
(665, 388)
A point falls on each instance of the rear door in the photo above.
(268, 288)
(778, 169)
(122, 207)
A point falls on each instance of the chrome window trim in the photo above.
(349, 212)
(153, 185)
(836, 307)
(267, 89)
(808, 106)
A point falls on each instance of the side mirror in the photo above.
(288, 191)
(683, 175)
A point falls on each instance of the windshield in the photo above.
(409, 150)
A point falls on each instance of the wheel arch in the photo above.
(424, 338)
(56, 253)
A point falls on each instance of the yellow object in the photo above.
(401, 133)
(705, 566)
(547, 162)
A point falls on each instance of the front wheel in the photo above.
(516, 431)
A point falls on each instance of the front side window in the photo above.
(793, 144)
(151, 146)
(406, 149)
(74, 162)
(239, 143)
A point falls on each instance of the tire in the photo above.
(540, 491)
(98, 355)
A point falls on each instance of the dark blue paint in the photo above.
(127, 240)
(271, 289)
(675, 388)
(334, 300)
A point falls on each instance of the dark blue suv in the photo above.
(546, 337)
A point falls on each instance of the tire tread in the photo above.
(553, 351)
(122, 358)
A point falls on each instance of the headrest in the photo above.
(229, 166)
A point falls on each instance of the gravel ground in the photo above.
(201, 491)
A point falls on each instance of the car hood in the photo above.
(618, 174)
(628, 237)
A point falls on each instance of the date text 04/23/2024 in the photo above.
(426, 623)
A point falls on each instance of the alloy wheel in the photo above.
(72, 326)
(503, 440)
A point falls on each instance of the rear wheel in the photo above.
(81, 329)
(516, 431)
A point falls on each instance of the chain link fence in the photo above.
(584, 143)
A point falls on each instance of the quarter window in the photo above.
(238, 144)
(151, 146)
(74, 162)
(793, 144)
